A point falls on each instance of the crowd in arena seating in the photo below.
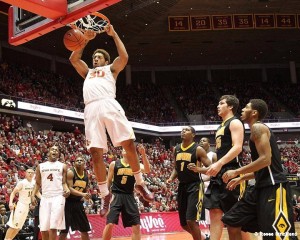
(36, 85)
(195, 98)
(145, 101)
(22, 147)
(287, 93)
(290, 157)
(249, 90)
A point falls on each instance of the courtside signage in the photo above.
(49, 110)
(160, 129)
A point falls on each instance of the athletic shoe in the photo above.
(145, 193)
(105, 205)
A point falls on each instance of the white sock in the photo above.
(138, 177)
(103, 189)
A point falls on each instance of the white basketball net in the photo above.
(91, 22)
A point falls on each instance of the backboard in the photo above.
(24, 26)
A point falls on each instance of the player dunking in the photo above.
(102, 112)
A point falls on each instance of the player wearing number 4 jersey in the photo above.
(102, 112)
(51, 178)
(20, 211)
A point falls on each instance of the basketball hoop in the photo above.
(95, 22)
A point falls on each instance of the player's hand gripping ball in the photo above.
(74, 40)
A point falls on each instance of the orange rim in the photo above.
(101, 16)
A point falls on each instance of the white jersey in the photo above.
(52, 175)
(99, 84)
(210, 155)
(25, 189)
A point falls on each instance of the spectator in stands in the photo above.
(96, 200)
(77, 132)
(295, 200)
(3, 222)
(22, 172)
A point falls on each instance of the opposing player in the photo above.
(51, 179)
(188, 156)
(121, 180)
(102, 112)
(76, 219)
(229, 144)
(19, 210)
(268, 206)
(212, 156)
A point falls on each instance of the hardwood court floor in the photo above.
(172, 236)
(164, 236)
(186, 236)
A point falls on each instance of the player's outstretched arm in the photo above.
(145, 167)
(202, 158)
(120, 62)
(174, 173)
(110, 175)
(13, 194)
(80, 66)
(260, 134)
(37, 186)
(237, 136)
(64, 182)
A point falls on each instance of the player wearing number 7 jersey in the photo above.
(20, 211)
(51, 178)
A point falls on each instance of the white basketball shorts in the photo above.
(106, 114)
(52, 213)
(18, 216)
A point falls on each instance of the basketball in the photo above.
(74, 40)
